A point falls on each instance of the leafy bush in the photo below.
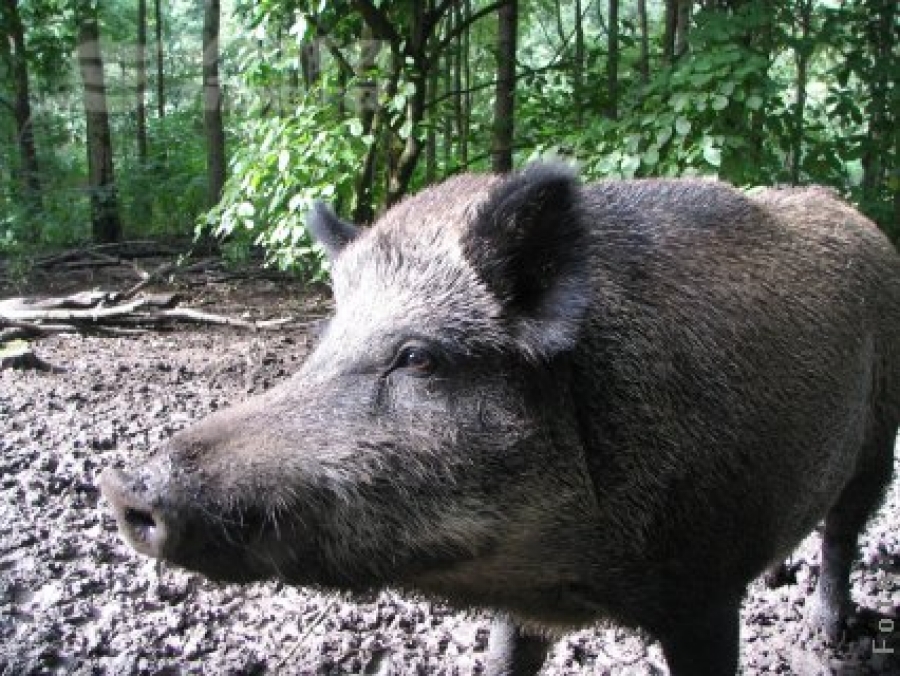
(280, 166)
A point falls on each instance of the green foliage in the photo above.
(701, 116)
(281, 166)
(728, 106)
(165, 195)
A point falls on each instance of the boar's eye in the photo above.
(415, 360)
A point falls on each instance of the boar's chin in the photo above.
(220, 563)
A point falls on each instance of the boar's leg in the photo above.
(705, 643)
(860, 498)
(512, 652)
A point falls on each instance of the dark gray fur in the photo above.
(639, 395)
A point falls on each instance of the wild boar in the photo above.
(564, 402)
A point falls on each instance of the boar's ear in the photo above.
(329, 230)
(528, 242)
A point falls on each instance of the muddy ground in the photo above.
(75, 600)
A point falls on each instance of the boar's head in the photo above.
(429, 440)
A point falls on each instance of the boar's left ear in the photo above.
(329, 230)
(528, 242)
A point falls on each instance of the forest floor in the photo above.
(74, 599)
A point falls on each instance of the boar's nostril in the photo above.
(140, 523)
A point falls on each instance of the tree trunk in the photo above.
(212, 103)
(504, 102)
(106, 226)
(682, 26)
(372, 115)
(431, 131)
(450, 73)
(415, 108)
(578, 66)
(612, 61)
(671, 20)
(160, 72)
(880, 36)
(748, 162)
(311, 62)
(464, 79)
(412, 147)
(14, 48)
(802, 53)
(433, 116)
(141, 87)
(644, 62)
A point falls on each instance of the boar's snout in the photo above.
(149, 525)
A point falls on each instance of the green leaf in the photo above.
(754, 102)
(630, 164)
(719, 102)
(651, 157)
(663, 136)
(682, 126)
(356, 127)
(246, 210)
(298, 29)
(712, 155)
(284, 160)
(297, 201)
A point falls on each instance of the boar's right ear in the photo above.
(529, 244)
(329, 230)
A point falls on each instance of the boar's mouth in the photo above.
(221, 547)
(232, 544)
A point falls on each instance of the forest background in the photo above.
(129, 119)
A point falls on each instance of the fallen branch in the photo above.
(19, 355)
(131, 249)
(13, 329)
(207, 318)
(148, 278)
(109, 312)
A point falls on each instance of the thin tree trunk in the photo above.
(612, 61)
(431, 132)
(106, 226)
(212, 103)
(451, 60)
(896, 232)
(372, 116)
(751, 160)
(311, 62)
(465, 73)
(504, 102)
(644, 62)
(802, 54)
(560, 29)
(412, 147)
(578, 66)
(14, 48)
(671, 20)
(160, 72)
(415, 109)
(682, 26)
(880, 35)
(142, 81)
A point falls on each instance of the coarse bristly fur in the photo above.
(566, 402)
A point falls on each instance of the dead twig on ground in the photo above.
(103, 310)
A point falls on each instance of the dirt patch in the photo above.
(75, 600)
